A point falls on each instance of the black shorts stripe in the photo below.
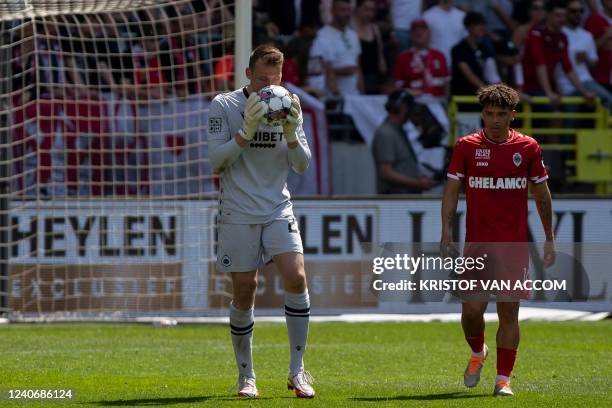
(239, 329)
(292, 310)
(241, 333)
(297, 315)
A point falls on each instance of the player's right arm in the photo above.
(456, 174)
(449, 211)
(224, 148)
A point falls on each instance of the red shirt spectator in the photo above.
(291, 72)
(544, 47)
(87, 147)
(599, 25)
(421, 70)
(148, 72)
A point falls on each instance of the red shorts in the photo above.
(502, 270)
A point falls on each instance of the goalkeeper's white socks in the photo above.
(241, 326)
(297, 315)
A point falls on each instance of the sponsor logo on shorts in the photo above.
(226, 261)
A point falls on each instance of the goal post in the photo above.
(107, 196)
(5, 75)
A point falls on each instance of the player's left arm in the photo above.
(543, 200)
(299, 154)
(541, 194)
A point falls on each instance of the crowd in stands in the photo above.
(333, 49)
(440, 48)
(147, 54)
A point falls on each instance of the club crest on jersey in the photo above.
(517, 159)
(482, 154)
(226, 261)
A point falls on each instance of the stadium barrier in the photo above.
(583, 139)
(149, 258)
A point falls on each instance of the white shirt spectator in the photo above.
(403, 12)
(446, 29)
(578, 40)
(339, 49)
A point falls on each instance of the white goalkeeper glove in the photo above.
(254, 110)
(290, 126)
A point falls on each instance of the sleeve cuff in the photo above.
(456, 176)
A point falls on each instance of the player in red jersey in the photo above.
(496, 165)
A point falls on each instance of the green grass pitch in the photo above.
(373, 364)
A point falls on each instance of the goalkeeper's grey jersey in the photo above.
(254, 177)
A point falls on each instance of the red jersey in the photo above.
(543, 47)
(423, 70)
(87, 146)
(149, 71)
(496, 184)
(597, 25)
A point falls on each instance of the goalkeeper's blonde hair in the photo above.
(267, 53)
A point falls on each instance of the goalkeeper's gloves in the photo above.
(254, 110)
(290, 126)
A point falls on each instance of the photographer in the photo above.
(396, 163)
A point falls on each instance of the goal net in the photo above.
(107, 196)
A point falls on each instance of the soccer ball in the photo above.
(278, 100)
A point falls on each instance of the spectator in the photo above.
(178, 51)
(210, 22)
(287, 16)
(298, 49)
(497, 14)
(149, 77)
(115, 31)
(545, 47)
(537, 14)
(521, 11)
(338, 48)
(583, 55)
(372, 60)
(403, 13)
(473, 65)
(95, 54)
(54, 59)
(422, 70)
(446, 24)
(508, 60)
(600, 25)
(397, 166)
(23, 64)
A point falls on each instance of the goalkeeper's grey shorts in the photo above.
(246, 247)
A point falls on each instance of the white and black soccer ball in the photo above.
(278, 100)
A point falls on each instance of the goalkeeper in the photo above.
(256, 222)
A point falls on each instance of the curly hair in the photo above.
(498, 95)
